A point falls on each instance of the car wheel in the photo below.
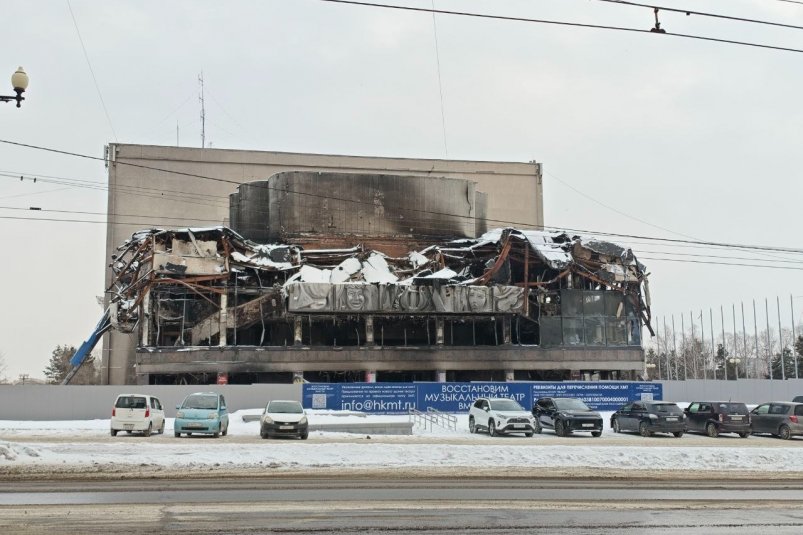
(616, 428)
(216, 434)
(560, 429)
(538, 427)
(472, 427)
(711, 430)
(678, 434)
(177, 434)
(162, 428)
(305, 435)
(643, 431)
(744, 435)
(784, 432)
(528, 435)
(225, 430)
(147, 432)
(114, 432)
(492, 428)
(263, 433)
(596, 433)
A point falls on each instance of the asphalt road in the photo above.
(370, 505)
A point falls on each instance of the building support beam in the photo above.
(224, 318)
(369, 330)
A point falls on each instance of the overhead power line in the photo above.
(149, 225)
(91, 70)
(415, 210)
(562, 23)
(702, 14)
(201, 199)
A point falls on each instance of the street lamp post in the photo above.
(19, 81)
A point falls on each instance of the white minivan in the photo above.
(139, 413)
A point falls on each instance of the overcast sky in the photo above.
(670, 137)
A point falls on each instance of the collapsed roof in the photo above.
(208, 260)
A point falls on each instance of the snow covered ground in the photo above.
(86, 445)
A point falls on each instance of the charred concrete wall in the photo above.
(297, 207)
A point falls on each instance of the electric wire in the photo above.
(564, 23)
(440, 83)
(702, 14)
(216, 202)
(62, 220)
(329, 197)
(92, 71)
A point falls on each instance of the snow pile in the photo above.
(79, 444)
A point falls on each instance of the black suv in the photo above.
(715, 417)
(566, 415)
(648, 417)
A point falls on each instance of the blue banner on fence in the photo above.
(397, 398)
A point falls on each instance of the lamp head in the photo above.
(19, 81)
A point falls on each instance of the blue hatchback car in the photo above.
(204, 413)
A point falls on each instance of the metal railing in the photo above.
(432, 418)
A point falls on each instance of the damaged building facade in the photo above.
(329, 276)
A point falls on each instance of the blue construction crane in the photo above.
(86, 348)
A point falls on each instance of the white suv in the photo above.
(137, 412)
(500, 416)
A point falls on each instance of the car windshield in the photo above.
(570, 404)
(197, 401)
(505, 405)
(130, 402)
(732, 408)
(285, 407)
(669, 408)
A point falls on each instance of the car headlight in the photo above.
(267, 420)
(653, 416)
(212, 416)
(180, 414)
(303, 420)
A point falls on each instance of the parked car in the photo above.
(648, 417)
(500, 416)
(137, 413)
(204, 413)
(715, 417)
(284, 418)
(566, 415)
(780, 418)
(797, 399)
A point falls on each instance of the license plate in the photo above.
(736, 417)
(196, 426)
(285, 427)
(518, 426)
(128, 427)
(670, 419)
(588, 425)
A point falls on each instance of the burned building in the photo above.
(352, 277)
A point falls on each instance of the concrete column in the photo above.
(370, 376)
(369, 330)
(510, 376)
(439, 335)
(298, 330)
(146, 319)
(507, 338)
(440, 376)
(224, 318)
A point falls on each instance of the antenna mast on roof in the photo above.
(203, 111)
